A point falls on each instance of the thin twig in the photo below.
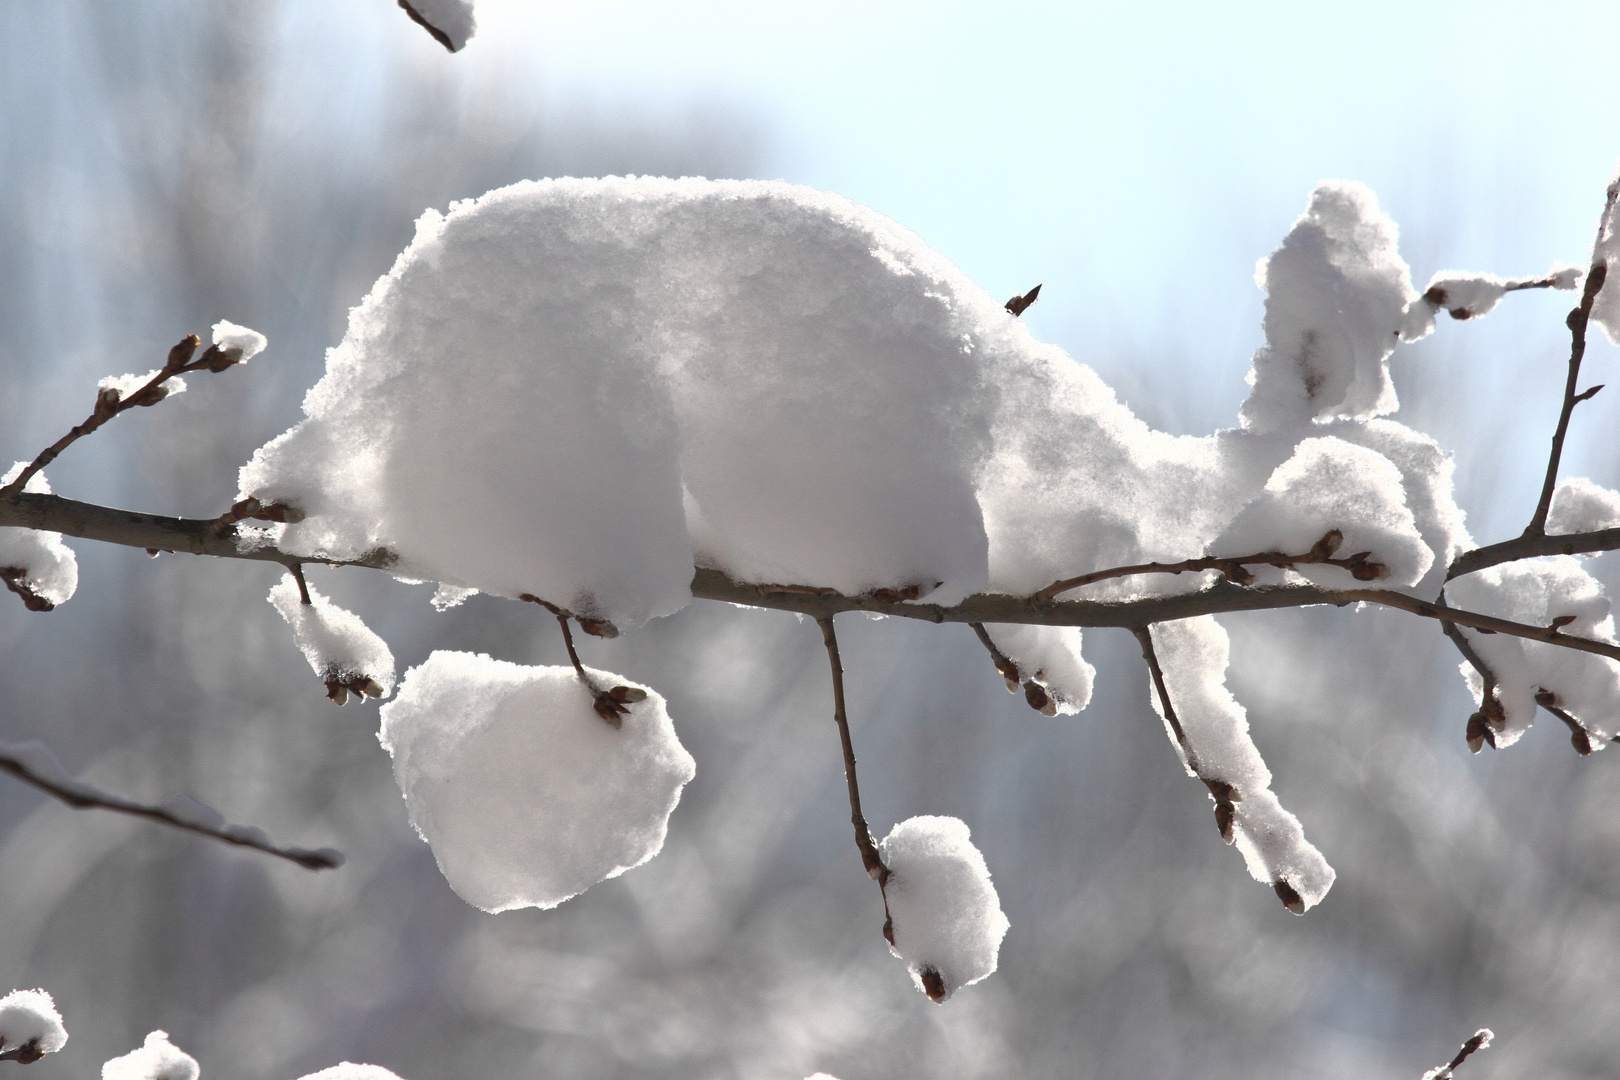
(109, 404)
(612, 705)
(297, 572)
(84, 797)
(1490, 717)
(863, 836)
(25, 1054)
(438, 35)
(1478, 1041)
(1577, 323)
(1359, 566)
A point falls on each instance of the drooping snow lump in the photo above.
(36, 560)
(339, 647)
(946, 918)
(525, 794)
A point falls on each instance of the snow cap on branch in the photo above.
(1194, 654)
(121, 386)
(525, 795)
(1337, 296)
(1050, 655)
(239, 340)
(947, 920)
(1579, 505)
(39, 565)
(350, 1071)
(30, 1017)
(155, 1059)
(1606, 306)
(1333, 485)
(1539, 592)
(340, 647)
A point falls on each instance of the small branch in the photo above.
(438, 35)
(863, 836)
(1579, 737)
(109, 404)
(1479, 1041)
(611, 705)
(25, 1054)
(1144, 638)
(1358, 565)
(1577, 323)
(1034, 693)
(1491, 717)
(12, 577)
(1533, 547)
(84, 797)
(297, 572)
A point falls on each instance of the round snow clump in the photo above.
(526, 795)
(1578, 505)
(30, 1016)
(340, 647)
(947, 921)
(155, 1059)
(350, 1071)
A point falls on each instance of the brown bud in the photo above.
(281, 512)
(1237, 573)
(609, 710)
(1224, 814)
(1561, 622)
(372, 688)
(107, 399)
(1546, 698)
(1580, 741)
(888, 929)
(933, 983)
(1436, 296)
(217, 359)
(1290, 898)
(1325, 547)
(1020, 304)
(337, 691)
(599, 628)
(1363, 569)
(1460, 313)
(1476, 733)
(182, 352)
(628, 695)
(28, 1053)
(1035, 694)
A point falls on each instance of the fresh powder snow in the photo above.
(340, 647)
(525, 794)
(1579, 505)
(38, 561)
(350, 1071)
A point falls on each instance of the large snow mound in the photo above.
(526, 795)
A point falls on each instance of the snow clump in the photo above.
(37, 562)
(526, 795)
(1579, 505)
(946, 918)
(350, 1071)
(30, 1017)
(1194, 654)
(1337, 297)
(238, 342)
(1049, 655)
(1538, 592)
(155, 1059)
(1330, 485)
(342, 649)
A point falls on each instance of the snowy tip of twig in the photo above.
(236, 344)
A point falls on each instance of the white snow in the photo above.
(49, 568)
(30, 1016)
(350, 1071)
(1606, 305)
(1337, 296)
(947, 919)
(336, 643)
(155, 1059)
(1193, 654)
(453, 18)
(1579, 505)
(525, 794)
(1332, 484)
(245, 344)
(125, 385)
(1536, 592)
(1464, 294)
(1051, 656)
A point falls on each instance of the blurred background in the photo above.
(167, 164)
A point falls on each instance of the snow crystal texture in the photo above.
(1579, 505)
(155, 1059)
(525, 794)
(946, 916)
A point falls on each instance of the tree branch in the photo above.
(1479, 1041)
(1533, 547)
(1577, 323)
(611, 705)
(1358, 566)
(1034, 693)
(863, 836)
(34, 765)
